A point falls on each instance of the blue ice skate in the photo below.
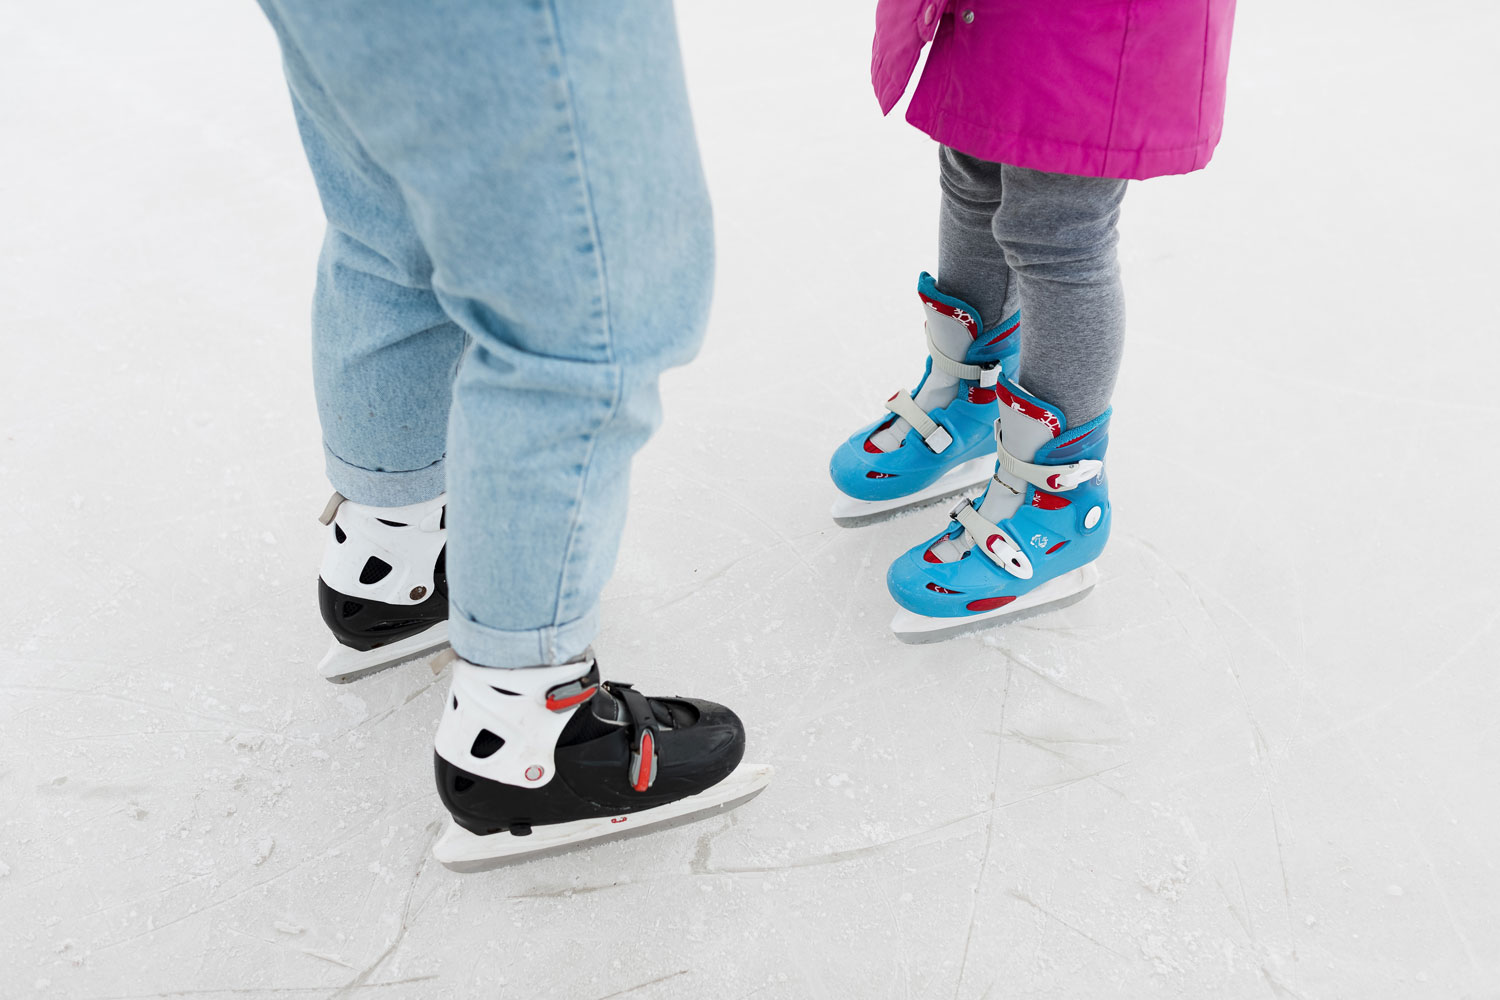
(1045, 520)
(940, 439)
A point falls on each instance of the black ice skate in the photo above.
(383, 589)
(537, 760)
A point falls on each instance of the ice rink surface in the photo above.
(1262, 760)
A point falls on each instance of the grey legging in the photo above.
(1011, 237)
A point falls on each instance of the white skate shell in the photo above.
(462, 851)
(849, 512)
(342, 664)
(1059, 592)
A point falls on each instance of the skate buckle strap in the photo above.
(986, 375)
(934, 434)
(643, 736)
(994, 541)
(331, 508)
(575, 692)
(1056, 478)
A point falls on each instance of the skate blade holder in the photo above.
(987, 534)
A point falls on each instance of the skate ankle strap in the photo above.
(934, 435)
(986, 375)
(994, 541)
(1053, 478)
(643, 736)
(574, 692)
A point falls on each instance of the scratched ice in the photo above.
(1260, 761)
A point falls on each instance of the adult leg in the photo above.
(546, 155)
(384, 351)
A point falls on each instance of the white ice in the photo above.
(1260, 761)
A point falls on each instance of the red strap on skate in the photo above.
(565, 696)
(643, 736)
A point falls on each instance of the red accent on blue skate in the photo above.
(880, 475)
(1007, 333)
(964, 316)
(869, 444)
(979, 394)
(1022, 404)
(941, 590)
(985, 586)
(929, 556)
(558, 704)
(991, 603)
(643, 775)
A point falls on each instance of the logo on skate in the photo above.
(619, 819)
(534, 773)
(1040, 541)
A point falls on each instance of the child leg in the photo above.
(971, 264)
(1058, 234)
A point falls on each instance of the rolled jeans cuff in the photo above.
(385, 489)
(546, 646)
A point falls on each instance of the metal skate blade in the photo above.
(461, 851)
(1054, 595)
(342, 664)
(848, 512)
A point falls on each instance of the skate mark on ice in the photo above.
(311, 859)
(839, 857)
(287, 946)
(569, 891)
(1270, 780)
(699, 864)
(1032, 668)
(1059, 786)
(640, 986)
(1020, 896)
(989, 832)
(256, 991)
(383, 714)
(411, 890)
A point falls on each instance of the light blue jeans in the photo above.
(519, 242)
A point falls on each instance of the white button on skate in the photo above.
(1092, 517)
(533, 773)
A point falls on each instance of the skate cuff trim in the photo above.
(933, 434)
(1055, 478)
(992, 540)
(643, 732)
(986, 375)
(566, 696)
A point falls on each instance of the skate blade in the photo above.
(461, 851)
(342, 664)
(1065, 590)
(848, 512)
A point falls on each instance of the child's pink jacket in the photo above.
(1100, 88)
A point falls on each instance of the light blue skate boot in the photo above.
(1028, 545)
(940, 439)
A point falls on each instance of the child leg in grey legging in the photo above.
(1010, 237)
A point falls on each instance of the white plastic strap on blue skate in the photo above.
(993, 540)
(1054, 478)
(986, 375)
(934, 434)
